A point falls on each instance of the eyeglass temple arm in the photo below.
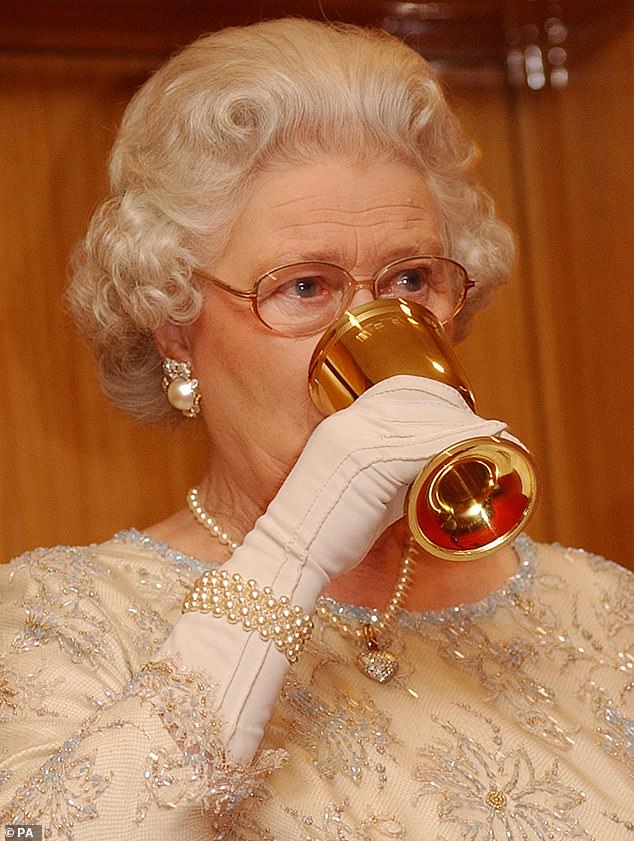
(237, 292)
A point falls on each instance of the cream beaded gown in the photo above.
(509, 719)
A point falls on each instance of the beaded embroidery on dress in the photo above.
(508, 720)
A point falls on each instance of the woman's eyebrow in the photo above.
(326, 254)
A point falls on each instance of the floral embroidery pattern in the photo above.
(62, 793)
(334, 825)
(8, 693)
(616, 729)
(22, 693)
(65, 610)
(617, 599)
(201, 771)
(153, 628)
(502, 669)
(484, 795)
(514, 668)
(340, 737)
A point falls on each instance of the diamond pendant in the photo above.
(374, 663)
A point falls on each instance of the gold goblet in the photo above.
(473, 497)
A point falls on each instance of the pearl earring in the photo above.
(180, 387)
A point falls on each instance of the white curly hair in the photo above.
(198, 133)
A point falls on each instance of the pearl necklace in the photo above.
(375, 662)
(207, 521)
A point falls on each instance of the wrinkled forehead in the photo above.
(360, 217)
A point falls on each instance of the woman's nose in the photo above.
(363, 293)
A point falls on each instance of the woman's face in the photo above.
(254, 383)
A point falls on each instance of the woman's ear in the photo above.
(173, 340)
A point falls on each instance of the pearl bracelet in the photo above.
(225, 594)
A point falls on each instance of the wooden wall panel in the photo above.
(549, 356)
(574, 153)
(71, 468)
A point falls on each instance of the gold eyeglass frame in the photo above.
(353, 285)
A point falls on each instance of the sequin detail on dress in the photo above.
(347, 736)
(519, 658)
(484, 794)
(201, 771)
(64, 610)
(21, 694)
(615, 728)
(64, 792)
(336, 824)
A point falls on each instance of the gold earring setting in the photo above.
(180, 387)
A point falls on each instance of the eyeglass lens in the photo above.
(303, 298)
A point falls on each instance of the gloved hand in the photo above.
(350, 482)
(348, 485)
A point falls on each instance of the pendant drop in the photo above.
(374, 663)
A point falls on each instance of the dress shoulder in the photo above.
(96, 744)
(603, 586)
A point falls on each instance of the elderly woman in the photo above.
(277, 660)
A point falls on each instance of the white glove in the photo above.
(348, 485)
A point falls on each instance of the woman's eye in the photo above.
(411, 280)
(306, 287)
(296, 289)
